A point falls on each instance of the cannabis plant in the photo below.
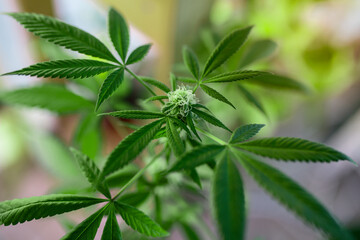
(179, 141)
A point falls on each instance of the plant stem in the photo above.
(209, 135)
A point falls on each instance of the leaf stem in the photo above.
(209, 135)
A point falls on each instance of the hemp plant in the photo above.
(178, 138)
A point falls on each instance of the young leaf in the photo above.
(181, 124)
(258, 50)
(119, 33)
(190, 123)
(292, 195)
(173, 81)
(293, 149)
(26, 209)
(174, 139)
(228, 200)
(91, 172)
(87, 229)
(156, 83)
(215, 94)
(280, 82)
(109, 86)
(191, 61)
(138, 54)
(140, 222)
(131, 146)
(234, 76)
(53, 97)
(186, 80)
(155, 98)
(251, 98)
(111, 229)
(134, 199)
(73, 68)
(245, 132)
(197, 156)
(135, 114)
(63, 35)
(210, 119)
(225, 49)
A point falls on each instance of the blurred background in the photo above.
(315, 42)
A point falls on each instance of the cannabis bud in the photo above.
(180, 101)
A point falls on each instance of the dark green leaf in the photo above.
(191, 61)
(251, 98)
(135, 114)
(135, 198)
(193, 174)
(138, 54)
(109, 86)
(245, 132)
(234, 76)
(215, 94)
(174, 139)
(111, 229)
(191, 124)
(258, 50)
(119, 33)
(189, 232)
(181, 124)
(280, 82)
(209, 118)
(173, 81)
(156, 83)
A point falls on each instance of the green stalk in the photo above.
(209, 135)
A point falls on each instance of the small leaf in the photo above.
(119, 33)
(189, 232)
(138, 54)
(26, 209)
(181, 124)
(234, 76)
(186, 80)
(245, 132)
(156, 83)
(191, 61)
(191, 124)
(251, 98)
(225, 49)
(140, 222)
(293, 149)
(215, 94)
(155, 98)
(174, 139)
(134, 199)
(135, 114)
(111, 229)
(173, 81)
(210, 119)
(194, 175)
(109, 86)
(280, 82)
(258, 50)
(228, 200)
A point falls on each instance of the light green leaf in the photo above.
(181, 124)
(119, 33)
(63, 34)
(173, 81)
(111, 229)
(209, 118)
(258, 50)
(186, 80)
(131, 146)
(135, 114)
(235, 76)
(191, 61)
(245, 132)
(225, 49)
(215, 94)
(140, 222)
(174, 139)
(138, 54)
(26, 209)
(228, 200)
(280, 82)
(251, 98)
(155, 98)
(135, 198)
(109, 86)
(156, 83)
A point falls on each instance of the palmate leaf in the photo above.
(26, 209)
(258, 50)
(131, 146)
(293, 149)
(181, 124)
(135, 114)
(210, 119)
(87, 229)
(251, 98)
(245, 132)
(191, 61)
(135, 198)
(140, 222)
(190, 123)
(235, 76)
(109, 86)
(228, 200)
(293, 196)
(111, 229)
(280, 82)
(215, 94)
(156, 83)
(138, 54)
(91, 172)
(174, 139)
(63, 34)
(53, 97)
(119, 33)
(225, 49)
(73, 68)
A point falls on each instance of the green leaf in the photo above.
(173, 81)
(63, 34)
(53, 97)
(235, 76)
(26, 209)
(138, 54)
(87, 229)
(111, 229)
(258, 50)
(174, 139)
(245, 132)
(228, 200)
(215, 94)
(155, 98)
(131, 146)
(293, 149)
(190, 123)
(119, 33)
(197, 156)
(194, 175)
(225, 49)
(189, 232)
(280, 82)
(292, 195)
(91, 172)
(135, 198)
(251, 98)
(186, 80)
(181, 124)
(209, 118)
(109, 86)
(140, 222)
(135, 114)
(191, 61)
(156, 83)
(73, 68)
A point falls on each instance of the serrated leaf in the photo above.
(87, 229)
(155, 98)
(293, 196)
(191, 61)
(234, 76)
(209, 118)
(245, 132)
(138, 54)
(91, 172)
(190, 123)
(174, 139)
(225, 49)
(181, 124)
(280, 82)
(26, 209)
(228, 200)
(140, 222)
(53, 97)
(251, 98)
(63, 34)
(293, 149)
(131, 146)
(135, 198)
(258, 50)
(111, 229)
(109, 86)
(119, 33)
(215, 94)
(156, 83)
(135, 114)
(197, 156)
